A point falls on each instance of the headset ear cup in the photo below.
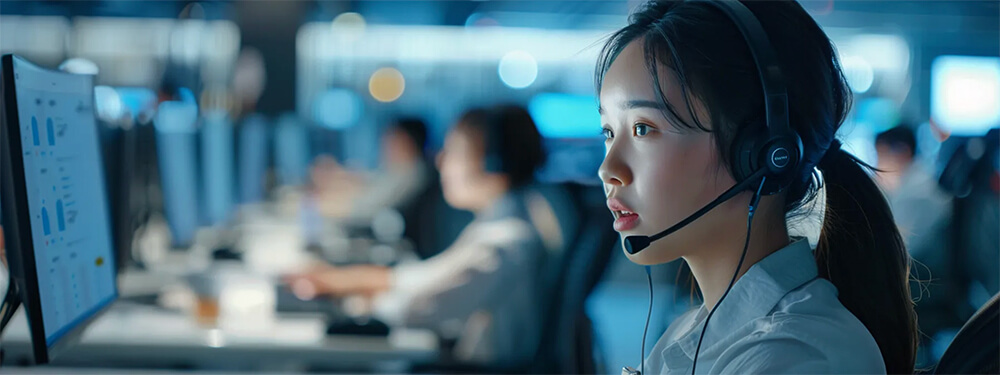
(755, 148)
(746, 151)
(782, 156)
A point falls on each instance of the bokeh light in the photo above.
(349, 20)
(480, 20)
(348, 26)
(386, 85)
(859, 73)
(337, 108)
(518, 69)
(965, 93)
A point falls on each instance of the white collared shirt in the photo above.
(486, 283)
(779, 318)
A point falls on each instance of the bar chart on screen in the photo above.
(70, 248)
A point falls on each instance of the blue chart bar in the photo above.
(34, 131)
(45, 222)
(51, 132)
(61, 219)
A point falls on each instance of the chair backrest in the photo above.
(976, 348)
(566, 336)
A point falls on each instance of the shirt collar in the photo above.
(754, 295)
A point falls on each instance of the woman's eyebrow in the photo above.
(634, 104)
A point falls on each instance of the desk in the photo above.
(139, 336)
(147, 337)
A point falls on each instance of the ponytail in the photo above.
(861, 252)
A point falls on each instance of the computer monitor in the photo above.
(118, 144)
(177, 148)
(218, 170)
(55, 208)
(291, 151)
(253, 152)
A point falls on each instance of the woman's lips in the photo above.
(625, 218)
(626, 222)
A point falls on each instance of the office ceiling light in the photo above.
(518, 69)
(386, 85)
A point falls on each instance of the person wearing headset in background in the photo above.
(923, 213)
(486, 280)
(682, 104)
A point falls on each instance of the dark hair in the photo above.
(860, 249)
(414, 128)
(900, 138)
(510, 135)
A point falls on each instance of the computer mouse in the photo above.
(368, 327)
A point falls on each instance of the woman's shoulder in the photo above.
(811, 331)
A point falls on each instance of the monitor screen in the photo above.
(63, 185)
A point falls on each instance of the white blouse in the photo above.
(779, 318)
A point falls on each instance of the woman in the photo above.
(678, 90)
(486, 281)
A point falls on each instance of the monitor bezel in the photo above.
(18, 237)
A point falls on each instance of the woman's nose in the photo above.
(614, 171)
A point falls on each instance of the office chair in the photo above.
(566, 345)
(567, 337)
(976, 348)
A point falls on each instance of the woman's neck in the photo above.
(714, 264)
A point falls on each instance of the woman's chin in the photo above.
(652, 255)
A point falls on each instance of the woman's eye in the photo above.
(608, 134)
(641, 129)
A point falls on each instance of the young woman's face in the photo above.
(660, 172)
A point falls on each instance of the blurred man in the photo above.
(920, 207)
(404, 175)
(896, 150)
(923, 213)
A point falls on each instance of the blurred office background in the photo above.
(217, 116)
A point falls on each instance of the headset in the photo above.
(766, 163)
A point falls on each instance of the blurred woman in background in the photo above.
(486, 281)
